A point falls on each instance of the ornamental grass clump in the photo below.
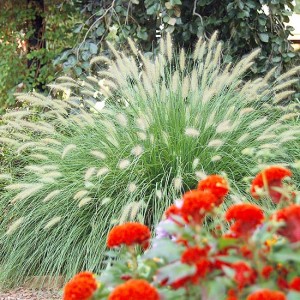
(253, 254)
(165, 122)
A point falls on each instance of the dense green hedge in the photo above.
(242, 25)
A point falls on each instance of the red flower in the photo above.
(266, 295)
(282, 283)
(196, 204)
(247, 217)
(267, 179)
(291, 216)
(81, 287)
(128, 234)
(215, 184)
(266, 271)
(134, 289)
(171, 211)
(244, 274)
(198, 257)
(295, 284)
(231, 295)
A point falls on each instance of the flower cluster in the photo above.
(245, 253)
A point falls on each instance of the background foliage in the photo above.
(242, 24)
(89, 23)
(16, 30)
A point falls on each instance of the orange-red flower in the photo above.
(198, 257)
(231, 295)
(247, 217)
(215, 184)
(244, 274)
(196, 204)
(81, 287)
(266, 271)
(172, 210)
(134, 289)
(128, 234)
(295, 284)
(267, 295)
(268, 179)
(291, 216)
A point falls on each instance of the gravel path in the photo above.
(30, 294)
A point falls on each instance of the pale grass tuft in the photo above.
(98, 59)
(197, 48)
(4, 177)
(243, 137)
(89, 173)
(258, 122)
(39, 156)
(137, 150)
(284, 85)
(177, 183)
(5, 140)
(142, 123)
(105, 200)
(124, 164)
(175, 81)
(98, 154)
(142, 135)
(192, 132)
(46, 179)
(215, 143)
(195, 163)
(89, 185)
(35, 168)
(224, 126)
(194, 80)
(52, 222)
(19, 186)
(283, 95)
(246, 110)
(122, 119)
(51, 195)
(216, 158)
(80, 194)
(102, 171)
(54, 174)
(159, 194)
(16, 114)
(51, 141)
(200, 175)
(132, 187)
(28, 192)
(169, 47)
(182, 60)
(15, 225)
(84, 201)
(67, 149)
(185, 87)
(135, 209)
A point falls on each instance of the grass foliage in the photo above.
(166, 123)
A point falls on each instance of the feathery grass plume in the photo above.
(140, 152)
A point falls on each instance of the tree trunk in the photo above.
(36, 40)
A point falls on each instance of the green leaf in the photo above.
(164, 249)
(285, 256)
(174, 272)
(93, 48)
(225, 242)
(264, 37)
(293, 295)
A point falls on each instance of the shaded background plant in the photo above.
(163, 126)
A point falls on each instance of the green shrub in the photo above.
(243, 26)
(163, 126)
